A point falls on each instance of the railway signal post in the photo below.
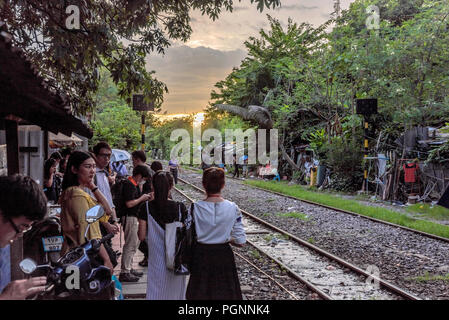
(366, 107)
(139, 104)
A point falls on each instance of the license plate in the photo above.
(52, 243)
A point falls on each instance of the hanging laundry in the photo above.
(410, 172)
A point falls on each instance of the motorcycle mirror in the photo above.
(28, 266)
(94, 213)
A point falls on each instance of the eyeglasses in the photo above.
(16, 228)
(105, 155)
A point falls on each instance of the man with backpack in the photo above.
(130, 201)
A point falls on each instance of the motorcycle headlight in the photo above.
(93, 285)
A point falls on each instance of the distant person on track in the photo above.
(174, 168)
(236, 166)
(218, 224)
(162, 284)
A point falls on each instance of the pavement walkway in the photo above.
(131, 290)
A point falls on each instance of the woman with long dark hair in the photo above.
(218, 224)
(162, 283)
(75, 202)
(52, 186)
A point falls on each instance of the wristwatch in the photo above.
(94, 189)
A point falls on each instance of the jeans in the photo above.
(174, 173)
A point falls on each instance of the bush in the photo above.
(345, 161)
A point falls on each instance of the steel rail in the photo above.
(329, 255)
(290, 271)
(423, 233)
(429, 235)
(267, 275)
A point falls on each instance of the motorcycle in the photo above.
(77, 275)
(43, 242)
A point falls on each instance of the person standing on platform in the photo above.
(138, 158)
(133, 198)
(102, 152)
(22, 202)
(75, 202)
(52, 188)
(162, 283)
(65, 153)
(120, 168)
(218, 224)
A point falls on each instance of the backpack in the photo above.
(117, 197)
(118, 168)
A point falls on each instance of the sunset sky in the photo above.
(191, 69)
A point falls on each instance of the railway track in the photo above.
(302, 258)
(426, 234)
(291, 273)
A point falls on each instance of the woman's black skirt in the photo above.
(213, 274)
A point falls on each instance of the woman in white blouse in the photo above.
(218, 224)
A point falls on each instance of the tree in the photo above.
(308, 79)
(70, 40)
(160, 131)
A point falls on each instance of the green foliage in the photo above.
(309, 78)
(345, 159)
(439, 154)
(114, 121)
(435, 212)
(160, 131)
(353, 206)
(296, 215)
(71, 58)
(118, 125)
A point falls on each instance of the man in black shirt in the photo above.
(138, 157)
(132, 198)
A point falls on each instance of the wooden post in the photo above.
(143, 131)
(12, 150)
(45, 145)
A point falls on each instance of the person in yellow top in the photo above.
(75, 202)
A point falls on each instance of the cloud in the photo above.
(191, 69)
(191, 73)
(297, 7)
(240, 8)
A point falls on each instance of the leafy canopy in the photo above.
(116, 34)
